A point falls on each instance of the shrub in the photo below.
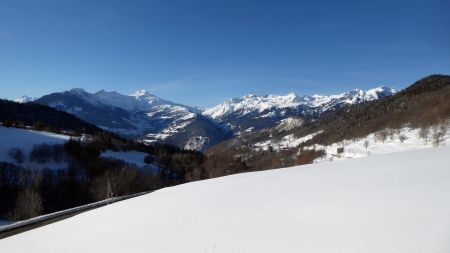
(17, 154)
(41, 153)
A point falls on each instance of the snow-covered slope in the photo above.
(381, 142)
(236, 113)
(386, 141)
(393, 203)
(25, 140)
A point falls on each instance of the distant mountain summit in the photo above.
(23, 99)
(255, 112)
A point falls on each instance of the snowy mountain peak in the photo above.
(252, 102)
(23, 99)
(379, 92)
(141, 93)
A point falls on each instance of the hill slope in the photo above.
(385, 203)
(28, 114)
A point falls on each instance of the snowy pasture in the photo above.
(25, 140)
(383, 142)
(392, 203)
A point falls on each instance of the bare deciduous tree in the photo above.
(366, 144)
(438, 134)
(28, 205)
(424, 133)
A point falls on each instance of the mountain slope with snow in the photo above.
(141, 116)
(266, 111)
(384, 203)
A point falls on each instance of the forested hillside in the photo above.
(42, 118)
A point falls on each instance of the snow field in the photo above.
(396, 202)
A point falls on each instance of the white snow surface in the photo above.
(394, 203)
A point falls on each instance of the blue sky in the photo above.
(202, 52)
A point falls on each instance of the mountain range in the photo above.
(253, 112)
(148, 118)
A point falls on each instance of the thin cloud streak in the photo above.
(173, 85)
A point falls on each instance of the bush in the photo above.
(58, 153)
(424, 133)
(17, 154)
(148, 159)
(402, 138)
(438, 134)
(382, 135)
(41, 153)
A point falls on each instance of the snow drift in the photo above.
(384, 203)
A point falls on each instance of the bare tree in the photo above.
(438, 134)
(366, 144)
(28, 205)
(424, 133)
(382, 135)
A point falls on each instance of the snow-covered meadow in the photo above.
(386, 141)
(382, 142)
(396, 202)
(25, 140)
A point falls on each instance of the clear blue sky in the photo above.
(202, 52)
